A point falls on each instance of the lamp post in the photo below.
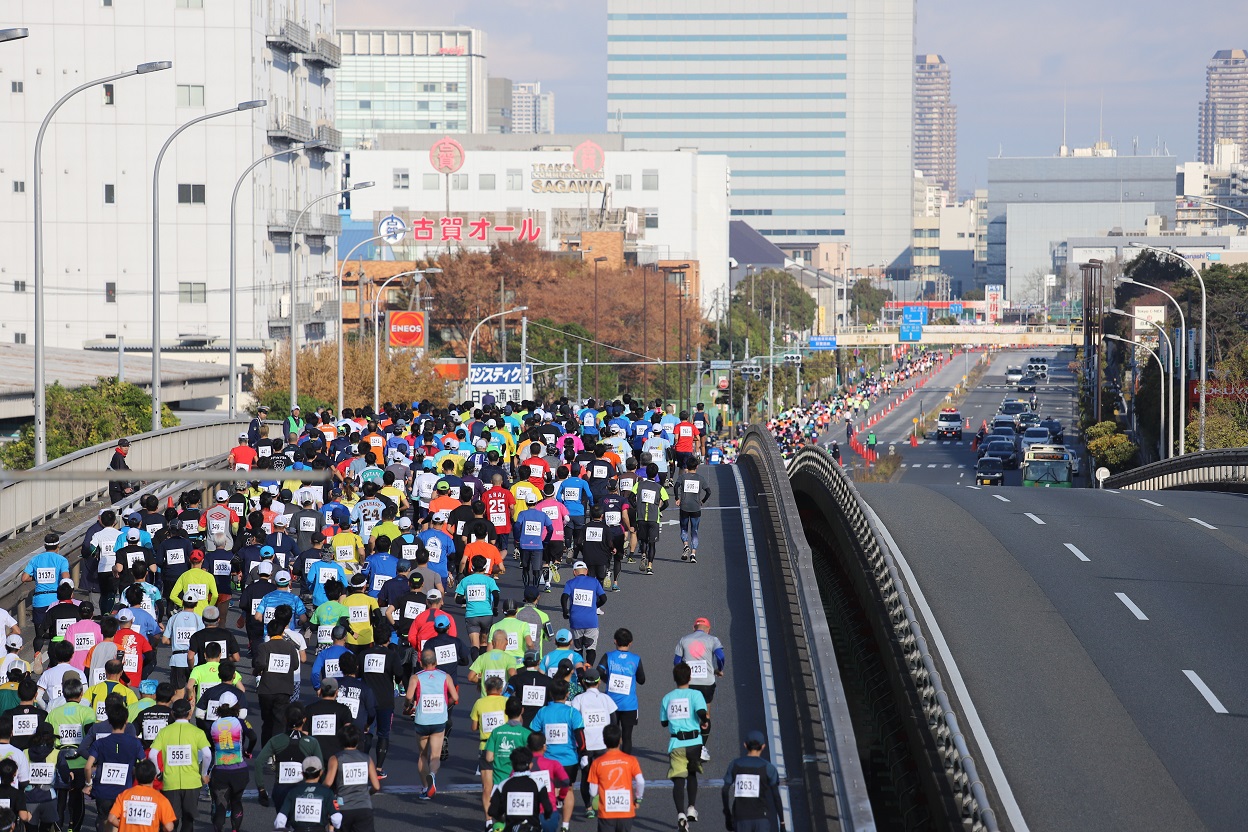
(1217, 205)
(597, 331)
(41, 420)
(473, 335)
(294, 326)
(234, 265)
(1169, 422)
(160, 157)
(418, 274)
(7, 35)
(1161, 366)
(1204, 331)
(1182, 353)
(359, 306)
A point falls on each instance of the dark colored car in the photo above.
(1057, 434)
(1013, 408)
(1003, 450)
(1027, 384)
(990, 471)
(1004, 434)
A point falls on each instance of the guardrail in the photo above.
(1219, 470)
(832, 769)
(29, 503)
(813, 468)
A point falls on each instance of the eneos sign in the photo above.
(407, 329)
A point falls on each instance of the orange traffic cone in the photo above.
(914, 441)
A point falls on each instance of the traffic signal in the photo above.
(793, 359)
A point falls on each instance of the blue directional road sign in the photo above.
(911, 332)
(822, 342)
(955, 309)
(914, 315)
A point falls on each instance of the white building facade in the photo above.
(532, 111)
(670, 205)
(99, 153)
(811, 101)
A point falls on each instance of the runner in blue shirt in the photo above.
(381, 566)
(581, 599)
(46, 570)
(588, 419)
(440, 547)
(576, 497)
(278, 597)
(563, 727)
(622, 672)
(532, 529)
(563, 650)
(321, 572)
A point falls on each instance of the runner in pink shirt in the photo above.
(559, 517)
(546, 772)
(83, 634)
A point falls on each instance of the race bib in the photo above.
(289, 773)
(152, 726)
(190, 526)
(45, 575)
(217, 526)
(331, 669)
(279, 663)
(220, 568)
(374, 663)
(593, 534)
(194, 593)
(344, 553)
(446, 654)
(686, 431)
(600, 472)
(62, 626)
(264, 451)
(140, 812)
(572, 495)
(179, 755)
(409, 551)
(242, 466)
(692, 486)
(556, 733)
(613, 518)
(307, 524)
(649, 497)
(41, 774)
(519, 804)
(324, 576)
(130, 663)
(435, 551)
(358, 615)
(307, 810)
(175, 557)
(70, 734)
(618, 800)
(595, 719)
(498, 518)
(354, 774)
(533, 632)
(582, 598)
(324, 634)
(532, 528)
(491, 720)
(453, 492)
(620, 684)
(255, 606)
(379, 581)
(542, 778)
(699, 669)
(114, 774)
(152, 528)
(324, 725)
(677, 709)
(412, 609)
(475, 592)
(551, 512)
(432, 704)
(533, 696)
(24, 725)
(210, 710)
(747, 785)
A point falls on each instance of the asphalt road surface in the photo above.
(658, 610)
(1099, 635)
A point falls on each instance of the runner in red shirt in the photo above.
(242, 457)
(686, 434)
(499, 503)
(422, 628)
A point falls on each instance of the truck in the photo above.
(949, 424)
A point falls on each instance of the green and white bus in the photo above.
(1048, 466)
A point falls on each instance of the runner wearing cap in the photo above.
(582, 600)
(360, 608)
(431, 694)
(311, 807)
(282, 596)
(321, 572)
(242, 457)
(183, 754)
(533, 529)
(259, 584)
(12, 657)
(597, 711)
(229, 764)
(705, 656)
(45, 570)
(563, 650)
(196, 585)
(751, 791)
(221, 522)
(213, 632)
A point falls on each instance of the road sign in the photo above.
(822, 342)
(722, 384)
(446, 155)
(393, 228)
(914, 315)
(506, 382)
(407, 329)
(721, 365)
(955, 309)
(911, 332)
(1102, 474)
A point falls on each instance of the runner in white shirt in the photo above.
(597, 711)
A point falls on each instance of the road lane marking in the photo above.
(976, 487)
(1139, 613)
(947, 465)
(1214, 702)
(931, 466)
(1075, 549)
(1200, 522)
(1151, 503)
(1002, 499)
(937, 637)
(1034, 518)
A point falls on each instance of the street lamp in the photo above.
(294, 328)
(1182, 354)
(1217, 205)
(13, 34)
(1164, 384)
(359, 306)
(473, 335)
(160, 157)
(597, 331)
(1160, 365)
(418, 273)
(1204, 330)
(41, 421)
(234, 265)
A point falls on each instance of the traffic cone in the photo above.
(914, 441)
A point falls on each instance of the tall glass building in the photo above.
(411, 81)
(811, 100)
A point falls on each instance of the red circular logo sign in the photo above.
(446, 155)
(723, 384)
(588, 157)
(407, 329)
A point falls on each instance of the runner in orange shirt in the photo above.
(616, 785)
(441, 506)
(141, 808)
(487, 550)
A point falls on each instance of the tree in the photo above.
(973, 294)
(1115, 451)
(86, 416)
(868, 300)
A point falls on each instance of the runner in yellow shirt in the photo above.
(360, 606)
(195, 584)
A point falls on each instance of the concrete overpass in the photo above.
(998, 336)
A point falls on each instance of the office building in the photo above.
(1035, 204)
(563, 193)
(1224, 112)
(935, 123)
(532, 111)
(99, 152)
(499, 97)
(811, 102)
(411, 81)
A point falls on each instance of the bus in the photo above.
(1048, 466)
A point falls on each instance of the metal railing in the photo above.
(286, 125)
(290, 36)
(326, 53)
(834, 738)
(1218, 470)
(923, 677)
(29, 503)
(331, 136)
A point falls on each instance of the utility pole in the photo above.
(524, 358)
(745, 406)
(771, 350)
(565, 372)
(580, 360)
(502, 321)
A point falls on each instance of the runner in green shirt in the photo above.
(72, 719)
(328, 614)
(182, 748)
(505, 739)
(497, 663)
(517, 632)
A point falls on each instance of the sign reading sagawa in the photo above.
(407, 329)
(583, 176)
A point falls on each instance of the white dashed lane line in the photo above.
(1034, 518)
(1200, 522)
(1075, 550)
(1136, 611)
(1150, 502)
(1199, 684)
(976, 487)
(1002, 499)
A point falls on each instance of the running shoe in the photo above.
(381, 774)
(692, 814)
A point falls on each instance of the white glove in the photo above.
(585, 762)
(279, 822)
(336, 820)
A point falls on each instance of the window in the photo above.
(459, 182)
(428, 87)
(191, 194)
(433, 125)
(19, 186)
(19, 337)
(192, 293)
(422, 105)
(402, 180)
(17, 86)
(190, 95)
(110, 292)
(452, 86)
(350, 295)
(189, 4)
(110, 97)
(652, 218)
(486, 182)
(649, 180)
(19, 285)
(452, 125)
(515, 179)
(110, 194)
(623, 181)
(452, 105)
(429, 181)
(365, 104)
(108, 4)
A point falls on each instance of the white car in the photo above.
(1074, 459)
(1035, 436)
(1013, 375)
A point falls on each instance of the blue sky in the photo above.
(1012, 64)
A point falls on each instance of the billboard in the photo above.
(505, 382)
(994, 296)
(407, 329)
